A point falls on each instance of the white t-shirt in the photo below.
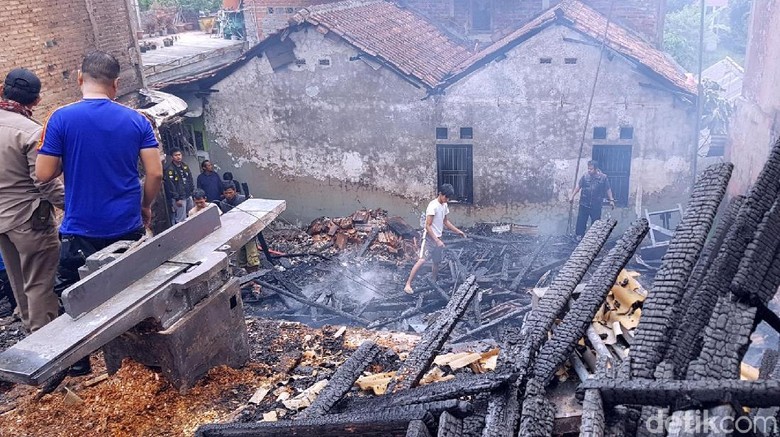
(438, 211)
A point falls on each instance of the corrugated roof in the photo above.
(591, 23)
(396, 35)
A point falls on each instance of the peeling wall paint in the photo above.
(349, 133)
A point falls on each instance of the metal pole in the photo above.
(699, 98)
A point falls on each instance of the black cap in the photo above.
(22, 85)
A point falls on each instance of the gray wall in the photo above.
(330, 139)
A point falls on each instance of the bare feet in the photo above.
(408, 289)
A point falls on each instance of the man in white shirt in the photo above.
(435, 221)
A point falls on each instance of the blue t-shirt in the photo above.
(99, 141)
(2, 264)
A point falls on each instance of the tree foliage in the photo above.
(184, 5)
(727, 27)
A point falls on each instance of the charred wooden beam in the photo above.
(462, 385)
(574, 325)
(538, 412)
(698, 314)
(679, 394)
(309, 302)
(378, 423)
(520, 347)
(757, 261)
(503, 412)
(449, 426)
(343, 380)
(540, 321)
(421, 357)
(711, 249)
(593, 421)
(660, 311)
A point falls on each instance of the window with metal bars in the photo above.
(615, 162)
(455, 166)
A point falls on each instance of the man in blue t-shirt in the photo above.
(96, 144)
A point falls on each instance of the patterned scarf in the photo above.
(10, 105)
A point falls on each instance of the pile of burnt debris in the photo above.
(359, 281)
(709, 294)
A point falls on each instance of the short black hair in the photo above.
(21, 86)
(175, 150)
(203, 164)
(594, 163)
(447, 190)
(101, 67)
(228, 176)
(198, 194)
(227, 185)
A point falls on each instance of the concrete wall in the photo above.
(756, 123)
(330, 139)
(51, 37)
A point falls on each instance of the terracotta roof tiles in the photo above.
(396, 35)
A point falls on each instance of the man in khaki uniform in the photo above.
(28, 234)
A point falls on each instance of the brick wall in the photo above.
(260, 21)
(51, 37)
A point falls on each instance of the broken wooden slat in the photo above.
(538, 412)
(343, 379)
(434, 338)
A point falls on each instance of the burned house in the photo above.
(369, 103)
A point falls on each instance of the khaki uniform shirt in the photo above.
(20, 191)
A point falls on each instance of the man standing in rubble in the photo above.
(595, 187)
(28, 233)
(248, 256)
(96, 144)
(179, 186)
(432, 248)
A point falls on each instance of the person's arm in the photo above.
(53, 190)
(150, 159)
(574, 193)
(448, 224)
(48, 163)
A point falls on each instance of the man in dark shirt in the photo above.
(209, 182)
(248, 256)
(595, 187)
(179, 186)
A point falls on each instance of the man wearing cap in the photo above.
(28, 234)
(96, 144)
(432, 248)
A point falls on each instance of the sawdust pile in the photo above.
(135, 401)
